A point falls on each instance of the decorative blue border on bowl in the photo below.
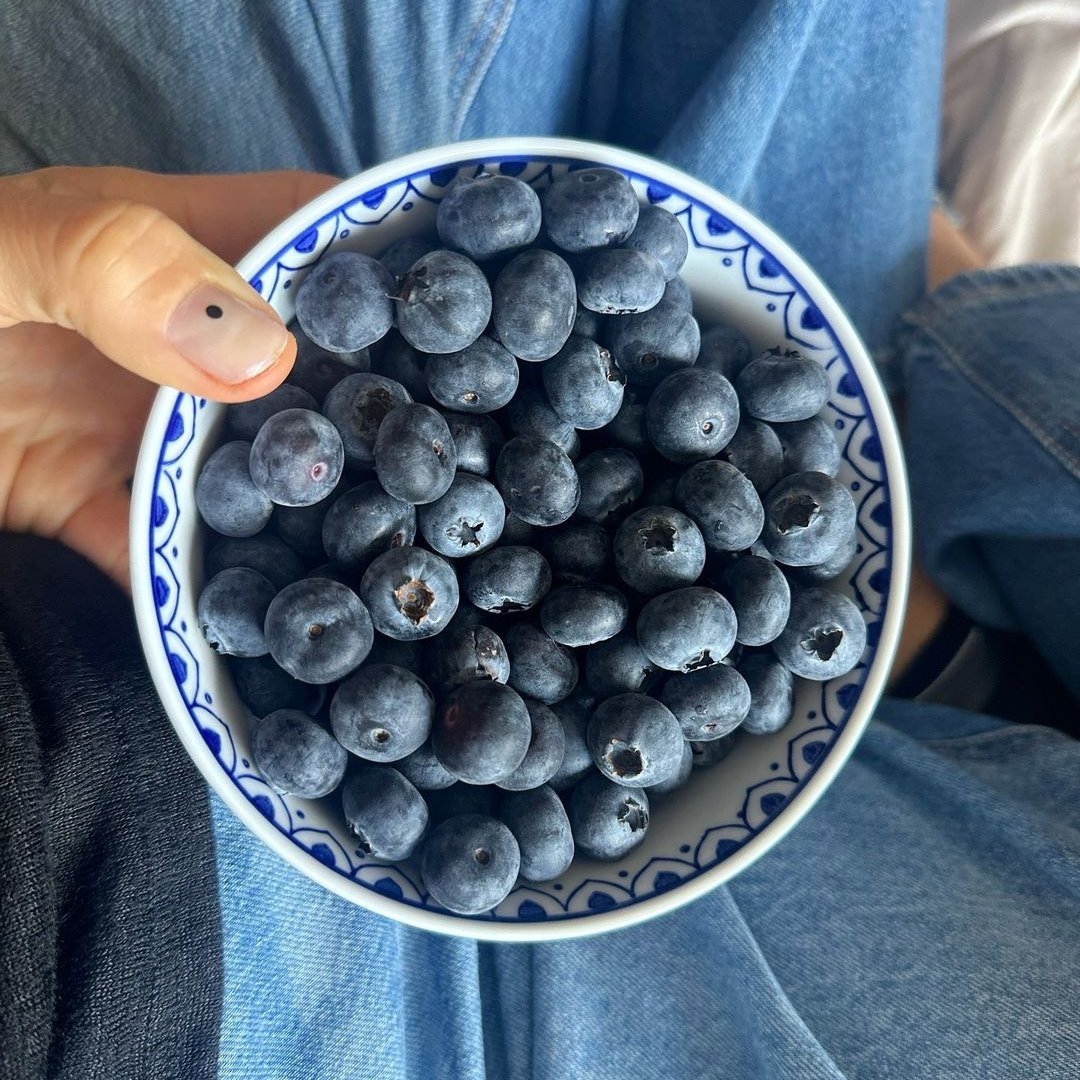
(763, 273)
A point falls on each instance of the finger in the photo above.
(128, 277)
(98, 530)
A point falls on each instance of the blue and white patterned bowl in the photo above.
(725, 817)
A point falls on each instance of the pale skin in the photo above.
(92, 262)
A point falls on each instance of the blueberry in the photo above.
(488, 214)
(317, 372)
(268, 554)
(583, 384)
(589, 208)
(573, 713)
(539, 823)
(808, 517)
(618, 281)
(385, 813)
(610, 480)
(723, 503)
(537, 480)
(534, 304)
(406, 654)
(396, 359)
(410, 593)
(654, 343)
(459, 798)
(231, 611)
(481, 378)
(334, 573)
(627, 428)
(618, 666)
(577, 615)
(635, 740)
(686, 629)
(660, 490)
(343, 304)
(382, 712)
(478, 440)
(677, 292)
(709, 703)
(692, 415)
(756, 452)
(401, 253)
(539, 667)
(809, 446)
(831, 568)
(444, 303)
(578, 554)
(422, 769)
(659, 233)
(318, 630)
(518, 532)
(462, 653)
(297, 458)
(724, 349)
(263, 687)
(607, 819)
(365, 522)
(470, 863)
(466, 520)
(507, 579)
(772, 693)
(246, 417)
(589, 324)
(415, 455)
(226, 496)
(824, 637)
(783, 387)
(761, 597)
(657, 548)
(712, 752)
(547, 744)
(301, 526)
(356, 406)
(531, 416)
(678, 777)
(482, 733)
(296, 756)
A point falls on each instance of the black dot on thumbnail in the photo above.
(214, 311)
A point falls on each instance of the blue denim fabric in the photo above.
(924, 920)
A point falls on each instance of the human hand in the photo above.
(113, 281)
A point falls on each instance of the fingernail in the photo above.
(228, 339)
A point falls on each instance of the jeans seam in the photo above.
(484, 49)
(342, 98)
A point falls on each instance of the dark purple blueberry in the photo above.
(539, 823)
(538, 481)
(589, 324)
(457, 799)
(301, 526)
(226, 496)
(808, 518)
(382, 712)
(296, 756)
(654, 343)
(677, 292)
(677, 778)
(547, 744)
(618, 666)
(610, 480)
(401, 253)
(343, 304)
(410, 593)
(232, 609)
(761, 597)
(756, 452)
(356, 406)
(824, 637)
(714, 751)
(658, 548)
(539, 667)
(709, 703)
(406, 654)
(619, 281)
(478, 440)
(462, 654)
(487, 215)
(723, 504)
(507, 579)
(577, 615)
(398, 360)
(316, 369)
(466, 520)
(686, 629)
(482, 733)
(268, 554)
(518, 532)
(578, 554)
(573, 713)
(589, 208)
(809, 446)
(383, 810)
(470, 863)
(607, 819)
(830, 569)
(692, 415)
(584, 384)
(628, 427)
(246, 417)
(531, 416)
(363, 523)
(772, 693)
(422, 769)
(263, 687)
(534, 304)
(659, 233)
(297, 458)
(444, 303)
(780, 387)
(480, 378)
(318, 630)
(415, 455)
(724, 349)
(635, 740)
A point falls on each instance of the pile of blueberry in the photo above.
(516, 545)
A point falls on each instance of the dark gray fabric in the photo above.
(110, 938)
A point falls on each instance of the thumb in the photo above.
(122, 273)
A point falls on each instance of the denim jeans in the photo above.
(924, 920)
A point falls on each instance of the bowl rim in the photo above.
(807, 794)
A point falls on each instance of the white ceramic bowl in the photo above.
(726, 816)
